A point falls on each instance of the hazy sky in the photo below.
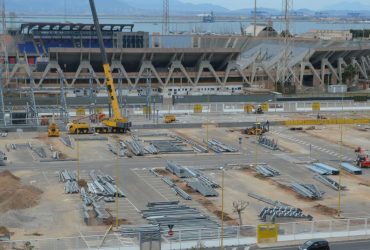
(239, 4)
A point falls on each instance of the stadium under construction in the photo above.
(63, 59)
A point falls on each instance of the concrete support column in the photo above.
(86, 65)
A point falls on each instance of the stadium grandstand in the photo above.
(48, 54)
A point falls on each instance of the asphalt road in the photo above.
(349, 245)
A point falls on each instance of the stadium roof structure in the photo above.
(27, 28)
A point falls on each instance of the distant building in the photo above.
(329, 34)
(208, 18)
(262, 30)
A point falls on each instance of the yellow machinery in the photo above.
(169, 118)
(117, 123)
(53, 130)
(256, 129)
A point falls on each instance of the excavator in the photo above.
(117, 123)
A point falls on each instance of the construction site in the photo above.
(115, 139)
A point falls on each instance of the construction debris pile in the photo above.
(267, 171)
(182, 217)
(195, 179)
(309, 191)
(271, 214)
(220, 147)
(14, 195)
(323, 169)
(268, 143)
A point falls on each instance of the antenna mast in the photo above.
(255, 18)
(3, 16)
(283, 73)
(166, 17)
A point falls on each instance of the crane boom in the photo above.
(107, 71)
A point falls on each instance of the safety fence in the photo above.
(326, 122)
(156, 113)
(191, 238)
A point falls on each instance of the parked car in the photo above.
(317, 244)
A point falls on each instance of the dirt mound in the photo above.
(14, 195)
(4, 230)
(82, 183)
(7, 174)
(326, 210)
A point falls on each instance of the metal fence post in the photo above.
(180, 238)
(366, 226)
(238, 234)
(312, 227)
(331, 227)
(348, 220)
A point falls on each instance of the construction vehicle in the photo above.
(321, 117)
(53, 130)
(117, 123)
(169, 118)
(362, 159)
(257, 129)
(259, 110)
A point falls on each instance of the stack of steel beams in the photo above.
(268, 143)
(103, 185)
(185, 219)
(178, 170)
(200, 187)
(329, 182)
(66, 175)
(267, 171)
(272, 213)
(71, 187)
(325, 168)
(350, 168)
(197, 148)
(220, 147)
(307, 190)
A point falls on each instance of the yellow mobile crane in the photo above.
(117, 123)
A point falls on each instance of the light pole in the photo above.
(222, 207)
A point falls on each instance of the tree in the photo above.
(239, 207)
(349, 74)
